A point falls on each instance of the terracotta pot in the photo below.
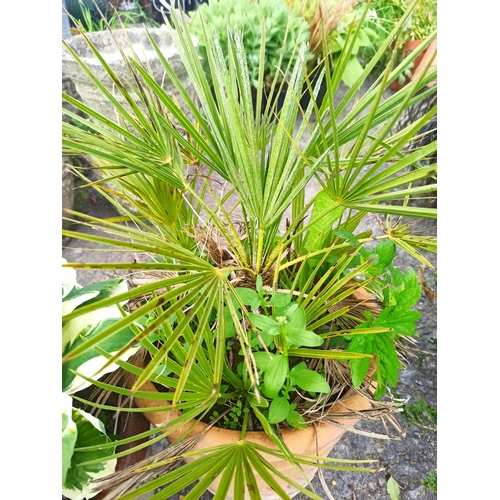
(409, 47)
(318, 440)
(429, 54)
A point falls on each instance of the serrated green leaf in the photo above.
(278, 410)
(386, 251)
(388, 363)
(396, 275)
(404, 324)
(409, 293)
(381, 345)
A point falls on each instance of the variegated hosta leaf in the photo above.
(77, 331)
(89, 432)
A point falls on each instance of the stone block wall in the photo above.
(68, 193)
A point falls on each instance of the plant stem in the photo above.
(259, 251)
(245, 422)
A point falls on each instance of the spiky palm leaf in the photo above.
(201, 251)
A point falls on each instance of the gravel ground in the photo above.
(408, 459)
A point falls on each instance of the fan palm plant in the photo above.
(255, 309)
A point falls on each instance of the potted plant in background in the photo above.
(336, 19)
(419, 25)
(283, 31)
(90, 15)
(252, 309)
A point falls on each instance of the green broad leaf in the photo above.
(252, 400)
(255, 303)
(256, 343)
(275, 375)
(328, 212)
(347, 235)
(69, 435)
(230, 328)
(278, 410)
(262, 322)
(267, 338)
(393, 489)
(91, 363)
(352, 71)
(72, 304)
(258, 283)
(90, 432)
(300, 337)
(104, 290)
(280, 300)
(296, 317)
(262, 360)
(297, 369)
(73, 327)
(290, 310)
(386, 251)
(273, 331)
(247, 295)
(68, 279)
(311, 381)
(295, 419)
